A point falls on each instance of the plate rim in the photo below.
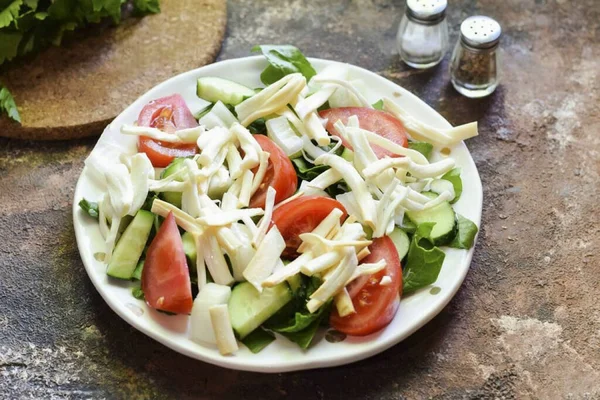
(288, 365)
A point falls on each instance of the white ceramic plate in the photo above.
(281, 355)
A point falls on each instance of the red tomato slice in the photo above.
(280, 174)
(375, 305)
(300, 216)
(380, 122)
(165, 277)
(167, 114)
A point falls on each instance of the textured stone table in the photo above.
(526, 322)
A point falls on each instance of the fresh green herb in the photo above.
(7, 103)
(422, 147)
(28, 26)
(90, 207)
(137, 272)
(453, 176)
(424, 260)
(378, 105)
(465, 237)
(138, 293)
(283, 60)
(258, 339)
(143, 7)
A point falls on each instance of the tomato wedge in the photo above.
(300, 216)
(165, 277)
(375, 304)
(380, 122)
(167, 114)
(280, 174)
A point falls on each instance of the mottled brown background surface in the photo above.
(525, 324)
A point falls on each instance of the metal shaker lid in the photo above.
(480, 32)
(426, 10)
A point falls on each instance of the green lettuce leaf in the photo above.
(423, 262)
(283, 60)
(258, 339)
(465, 236)
(7, 104)
(453, 176)
(422, 147)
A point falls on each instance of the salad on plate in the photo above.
(281, 209)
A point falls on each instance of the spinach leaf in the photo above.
(453, 176)
(90, 207)
(424, 260)
(304, 337)
(465, 237)
(422, 147)
(283, 60)
(294, 321)
(258, 339)
(7, 102)
(307, 171)
(258, 126)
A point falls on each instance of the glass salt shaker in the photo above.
(423, 33)
(474, 69)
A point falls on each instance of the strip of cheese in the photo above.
(215, 261)
(357, 184)
(219, 316)
(421, 131)
(287, 271)
(266, 258)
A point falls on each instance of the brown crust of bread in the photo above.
(76, 90)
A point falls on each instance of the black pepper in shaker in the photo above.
(474, 69)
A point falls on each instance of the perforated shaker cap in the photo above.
(480, 32)
(426, 10)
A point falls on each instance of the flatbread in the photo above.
(75, 90)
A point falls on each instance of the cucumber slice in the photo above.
(295, 282)
(173, 197)
(130, 247)
(248, 308)
(189, 248)
(137, 273)
(214, 89)
(348, 154)
(442, 215)
(401, 241)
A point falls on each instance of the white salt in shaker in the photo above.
(423, 33)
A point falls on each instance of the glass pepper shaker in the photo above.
(423, 33)
(474, 69)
